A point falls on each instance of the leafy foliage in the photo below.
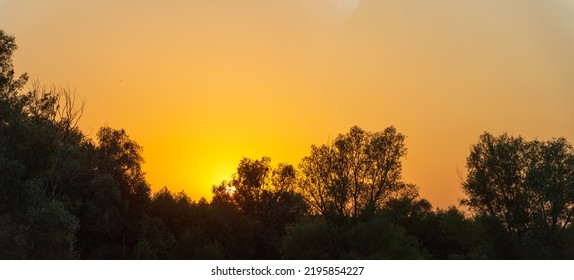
(527, 186)
(66, 196)
(356, 175)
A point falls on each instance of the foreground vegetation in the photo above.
(66, 196)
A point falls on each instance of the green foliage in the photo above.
(52, 232)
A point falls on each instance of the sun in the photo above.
(230, 190)
(222, 172)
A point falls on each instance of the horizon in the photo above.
(201, 85)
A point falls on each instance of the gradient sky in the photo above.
(199, 84)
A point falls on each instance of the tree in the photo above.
(9, 85)
(550, 175)
(357, 174)
(528, 186)
(34, 223)
(266, 197)
(256, 184)
(374, 238)
(246, 188)
(115, 198)
(121, 157)
(250, 183)
(312, 238)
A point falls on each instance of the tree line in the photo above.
(64, 195)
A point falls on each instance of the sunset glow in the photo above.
(201, 84)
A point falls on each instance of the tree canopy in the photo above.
(64, 195)
(357, 174)
(527, 186)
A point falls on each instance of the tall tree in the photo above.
(34, 223)
(266, 197)
(550, 176)
(496, 180)
(528, 186)
(115, 201)
(9, 84)
(355, 175)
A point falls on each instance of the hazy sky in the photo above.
(199, 84)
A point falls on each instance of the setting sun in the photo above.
(287, 130)
(201, 84)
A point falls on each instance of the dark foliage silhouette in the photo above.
(64, 195)
(527, 187)
(356, 175)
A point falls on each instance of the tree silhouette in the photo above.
(266, 196)
(33, 222)
(356, 175)
(64, 195)
(528, 186)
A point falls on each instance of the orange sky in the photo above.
(199, 84)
